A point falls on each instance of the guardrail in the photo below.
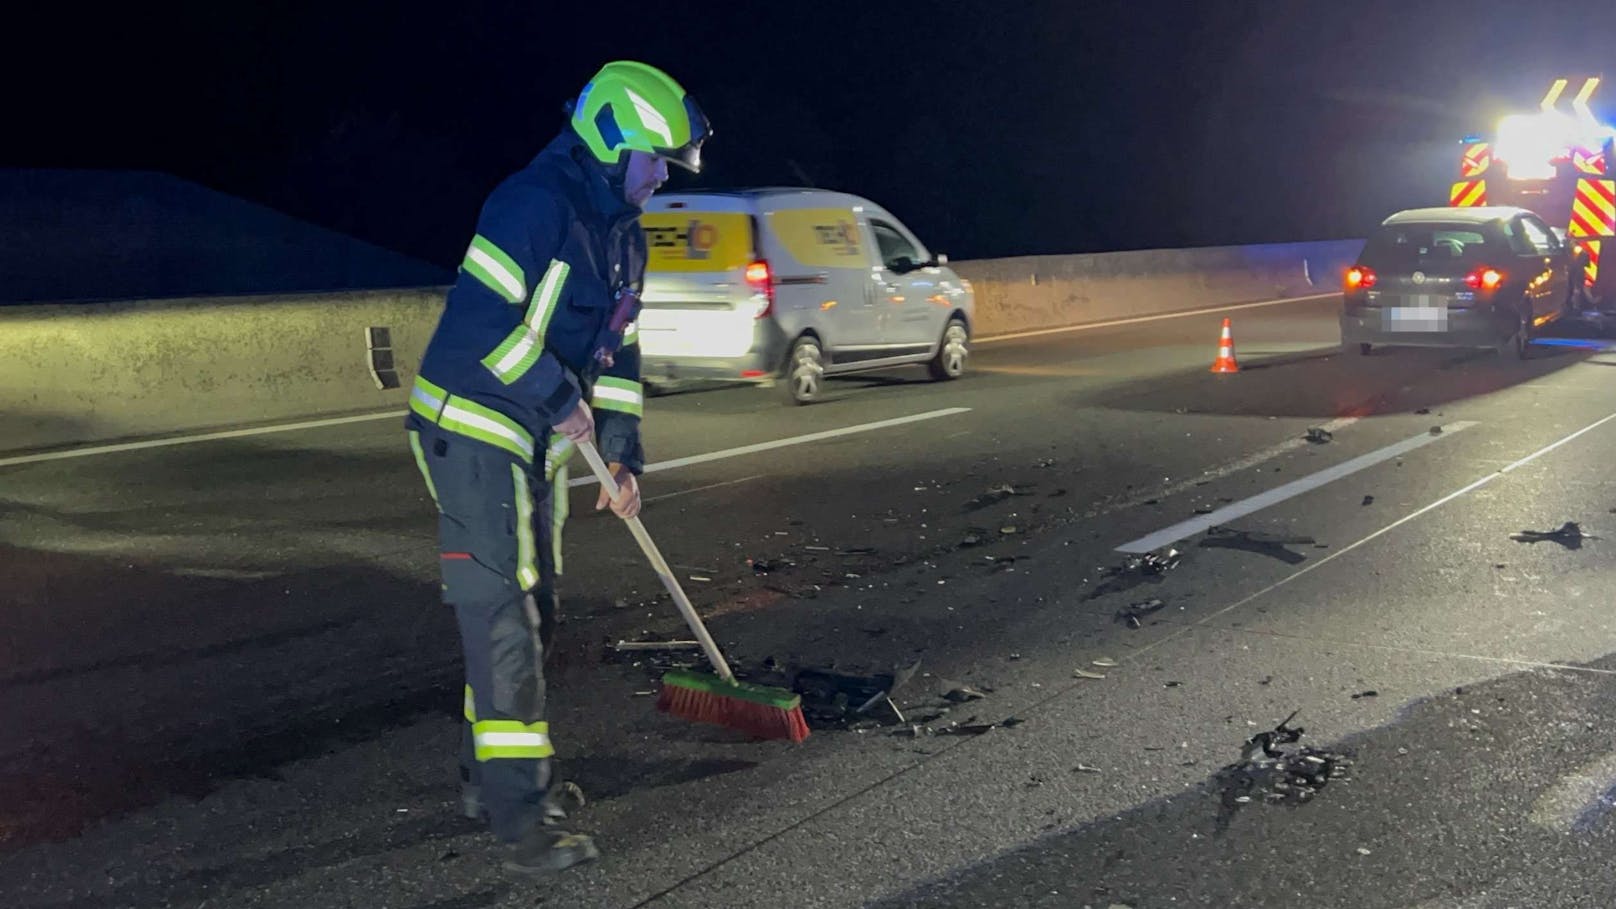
(1036, 292)
(85, 373)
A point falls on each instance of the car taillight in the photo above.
(1485, 278)
(760, 278)
(1359, 277)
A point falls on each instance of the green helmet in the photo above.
(633, 106)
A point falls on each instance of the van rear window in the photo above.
(685, 240)
(1430, 246)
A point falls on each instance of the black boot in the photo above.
(561, 800)
(548, 850)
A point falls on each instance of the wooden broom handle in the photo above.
(660, 565)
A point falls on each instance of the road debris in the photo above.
(1268, 742)
(628, 646)
(836, 699)
(1269, 772)
(1436, 430)
(1135, 571)
(1257, 542)
(962, 694)
(966, 728)
(1106, 662)
(1084, 768)
(1004, 563)
(1569, 535)
(1131, 615)
(1371, 693)
(1085, 674)
(1319, 435)
(1369, 500)
(653, 657)
(883, 706)
(994, 496)
(974, 536)
(1423, 411)
(769, 566)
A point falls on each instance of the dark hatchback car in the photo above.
(1456, 277)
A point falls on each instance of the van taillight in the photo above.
(1359, 277)
(760, 278)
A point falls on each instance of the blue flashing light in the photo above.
(1579, 343)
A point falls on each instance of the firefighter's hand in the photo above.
(579, 426)
(627, 503)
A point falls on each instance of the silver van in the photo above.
(786, 286)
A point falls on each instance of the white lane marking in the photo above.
(1218, 473)
(1135, 320)
(787, 442)
(1589, 790)
(1421, 651)
(709, 486)
(204, 437)
(1458, 493)
(1290, 490)
(399, 414)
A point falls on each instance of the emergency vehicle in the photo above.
(1560, 164)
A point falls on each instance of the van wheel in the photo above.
(805, 372)
(952, 353)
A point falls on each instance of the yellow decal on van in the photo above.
(822, 237)
(697, 241)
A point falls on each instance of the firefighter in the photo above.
(537, 350)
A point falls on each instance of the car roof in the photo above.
(1485, 214)
(827, 197)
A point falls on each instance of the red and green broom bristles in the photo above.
(757, 710)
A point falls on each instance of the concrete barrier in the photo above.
(73, 374)
(1035, 292)
(85, 373)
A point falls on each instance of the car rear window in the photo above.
(1431, 246)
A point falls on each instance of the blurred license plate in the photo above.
(1414, 318)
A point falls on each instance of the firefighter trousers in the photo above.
(499, 530)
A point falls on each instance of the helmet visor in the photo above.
(688, 156)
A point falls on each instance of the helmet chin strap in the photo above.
(616, 175)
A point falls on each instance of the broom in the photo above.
(758, 710)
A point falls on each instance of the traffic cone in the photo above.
(1226, 361)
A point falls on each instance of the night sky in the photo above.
(992, 128)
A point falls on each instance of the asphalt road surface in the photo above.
(225, 679)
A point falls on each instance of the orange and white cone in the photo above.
(1226, 361)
